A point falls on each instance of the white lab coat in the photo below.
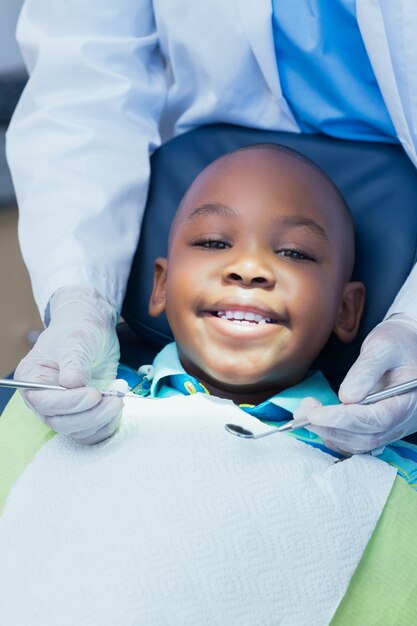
(108, 74)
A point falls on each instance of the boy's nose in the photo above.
(250, 273)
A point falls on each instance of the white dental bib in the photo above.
(176, 522)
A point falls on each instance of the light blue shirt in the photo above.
(324, 70)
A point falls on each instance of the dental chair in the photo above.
(377, 180)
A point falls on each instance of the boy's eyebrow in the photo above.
(217, 208)
(306, 222)
(212, 208)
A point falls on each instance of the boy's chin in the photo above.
(243, 389)
(266, 382)
(234, 376)
(240, 381)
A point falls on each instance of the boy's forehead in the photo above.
(259, 173)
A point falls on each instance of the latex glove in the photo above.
(388, 357)
(78, 348)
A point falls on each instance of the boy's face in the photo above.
(256, 276)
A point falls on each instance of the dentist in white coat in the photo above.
(104, 73)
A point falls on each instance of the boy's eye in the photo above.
(297, 255)
(212, 244)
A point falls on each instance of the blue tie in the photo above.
(266, 411)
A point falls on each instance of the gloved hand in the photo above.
(388, 357)
(78, 348)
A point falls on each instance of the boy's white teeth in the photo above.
(244, 317)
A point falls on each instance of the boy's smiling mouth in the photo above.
(244, 317)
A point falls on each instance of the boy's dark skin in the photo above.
(264, 232)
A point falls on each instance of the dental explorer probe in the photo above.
(389, 392)
(23, 384)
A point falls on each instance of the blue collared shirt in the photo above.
(400, 454)
(324, 70)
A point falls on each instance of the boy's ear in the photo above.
(157, 299)
(350, 313)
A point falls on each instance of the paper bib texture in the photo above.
(175, 522)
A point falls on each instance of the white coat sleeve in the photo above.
(388, 30)
(406, 300)
(79, 142)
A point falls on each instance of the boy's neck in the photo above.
(240, 394)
